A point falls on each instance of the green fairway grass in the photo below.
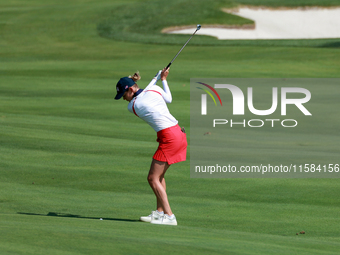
(70, 154)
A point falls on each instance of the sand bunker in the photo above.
(312, 23)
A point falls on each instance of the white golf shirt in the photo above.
(150, 106)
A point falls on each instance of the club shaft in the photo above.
(181, 49)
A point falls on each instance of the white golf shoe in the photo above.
(154, 215)
(165, 220)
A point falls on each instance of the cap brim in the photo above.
(119, 96)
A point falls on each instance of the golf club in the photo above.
(198, 28)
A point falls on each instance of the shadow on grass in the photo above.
(54, 214)
(331, 45)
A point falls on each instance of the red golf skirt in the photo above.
(172, 145)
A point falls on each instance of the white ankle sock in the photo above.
(160, 212)
(172, 216)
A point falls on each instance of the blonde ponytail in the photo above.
(135, 77)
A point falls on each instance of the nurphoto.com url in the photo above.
(268, 168)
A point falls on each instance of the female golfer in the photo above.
(150, 105)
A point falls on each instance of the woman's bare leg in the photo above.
(157, 183)
(159, 204)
